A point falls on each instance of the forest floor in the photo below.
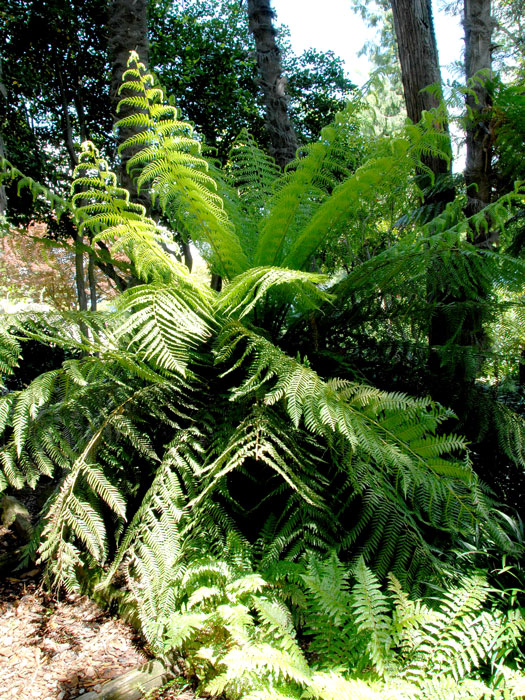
(60, 647)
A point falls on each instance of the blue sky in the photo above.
(331, 24)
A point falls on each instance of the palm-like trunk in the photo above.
(272, 82)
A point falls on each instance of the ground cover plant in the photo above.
(239, 637)
(189, 421)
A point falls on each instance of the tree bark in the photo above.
(70, 146)
(79, 273)
(92, 283)
(472, 338)
(3, 196)
(67, 127)
(127, 31)
(478, 24)
(283, 140)
(418, 56)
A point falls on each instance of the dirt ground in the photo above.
(58, 648)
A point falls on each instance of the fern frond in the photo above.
(383, 430)
(457, 637)
(253, 173)
(28, 403)
(304, 189)
(327, 410)
(261, 438)
(10, 474)
(104, 209)
(166, 323)
(408, 617)
(75, 513)
(328, 585)
(334, 686)
(10, 351)
(251, 661)
(241, 296)
(9, 172)
(177, 174)
(371, 615)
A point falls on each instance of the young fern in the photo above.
(240, 641)
(422, 649)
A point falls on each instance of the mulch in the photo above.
(58, 647)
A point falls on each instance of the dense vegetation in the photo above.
(258, 469)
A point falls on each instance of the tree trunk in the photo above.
(471, 338)
(478, 24)
(67, 131)
(272, 82)
(79, 273)
(92, 283)
(418, 56)
(67, 127)
(3, 196)
(128, 31)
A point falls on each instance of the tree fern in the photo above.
(183, 395)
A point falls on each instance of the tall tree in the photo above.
(191, 40)
(127, 31)
(418, 56)
(55, 95)
(272, 81)
(56, 85)
(3, 98)
(478, 24)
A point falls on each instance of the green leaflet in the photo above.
(304, 188)
(241, 296)
(171, 165)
